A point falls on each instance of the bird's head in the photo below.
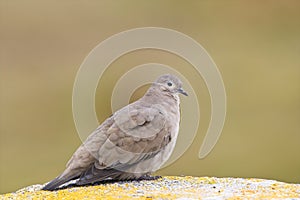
(170, 84)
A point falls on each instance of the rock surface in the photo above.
(170, 187)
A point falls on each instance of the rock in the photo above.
(170, 187)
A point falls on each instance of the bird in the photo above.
(132, 143)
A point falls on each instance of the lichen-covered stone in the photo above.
(170, 187)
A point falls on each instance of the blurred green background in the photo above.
(255, 44)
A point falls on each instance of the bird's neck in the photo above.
(156, 96)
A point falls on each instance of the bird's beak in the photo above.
(181, 91)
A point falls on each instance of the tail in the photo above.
(54, 184)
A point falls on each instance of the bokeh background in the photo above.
(255, 44)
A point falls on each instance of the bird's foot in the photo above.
(148, 177)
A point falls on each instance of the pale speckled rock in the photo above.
(171, 188)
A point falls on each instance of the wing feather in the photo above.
(137, 134)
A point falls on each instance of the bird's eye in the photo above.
(170, 84)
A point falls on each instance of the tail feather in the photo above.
(93, 175)
(54, 184)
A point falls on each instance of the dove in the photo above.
(132, 143)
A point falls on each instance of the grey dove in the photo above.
(132, 143)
